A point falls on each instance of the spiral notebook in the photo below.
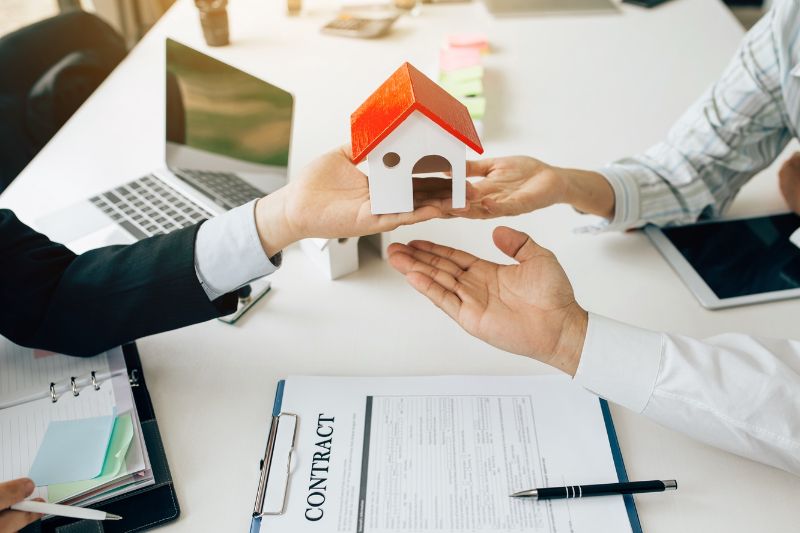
(38, 387)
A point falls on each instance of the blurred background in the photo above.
(132, 18)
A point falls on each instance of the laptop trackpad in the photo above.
(102, 237)
(82, 227)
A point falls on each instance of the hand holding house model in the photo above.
(411, 126)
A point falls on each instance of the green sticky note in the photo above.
(120, 442)
(467, 88)
(462, 75)
(476, 105)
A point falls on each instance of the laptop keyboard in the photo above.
(148, 206)
(224, 189)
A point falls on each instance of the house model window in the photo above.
(410, 126)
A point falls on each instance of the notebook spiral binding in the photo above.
(76, 384)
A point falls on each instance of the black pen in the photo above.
(604, 489)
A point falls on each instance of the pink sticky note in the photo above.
(456, 58)
(468, 40)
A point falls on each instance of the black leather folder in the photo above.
(145, 508)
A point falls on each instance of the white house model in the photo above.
(411, 126)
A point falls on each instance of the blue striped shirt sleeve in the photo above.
(736, 129)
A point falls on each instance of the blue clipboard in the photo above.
(619, 464)
(266, 463)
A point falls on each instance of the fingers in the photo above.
(12, 492)
(16, 520)
(517, 245)
(445, 300)
(415, 255)
(420, 214)
(346, 150)
(472, 192)
(405, 259)
(440, 195)
(15, 491)
(462, 259)
(479, 168)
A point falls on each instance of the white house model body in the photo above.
(336, 258)
(408, 127)
(417, 146)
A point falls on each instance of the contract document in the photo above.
(440, 454)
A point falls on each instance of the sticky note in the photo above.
(467, 88)
(121, 438)
(476, 105)
(72, 450)
(456, 58)
(478, 41)
(462, 75)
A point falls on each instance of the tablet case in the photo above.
(142, 509)
(616, 454)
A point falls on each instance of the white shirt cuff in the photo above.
(228, 252)
(627, 204)
(620, 362)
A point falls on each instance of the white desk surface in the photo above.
(574, 91)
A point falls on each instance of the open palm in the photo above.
(527, 308)
(510, 186)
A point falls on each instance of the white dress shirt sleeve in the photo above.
(228, 252)
(737, 128)
(732, 391)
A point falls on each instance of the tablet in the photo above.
(727, 263)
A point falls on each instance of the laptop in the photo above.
(227, 143)
(502, 8)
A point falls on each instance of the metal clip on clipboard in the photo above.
(275, 445)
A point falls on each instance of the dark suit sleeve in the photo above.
(55, 300)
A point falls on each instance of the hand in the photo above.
(789, 181)
(329, 199)
(12, 492)
(526, 308)
(518, 184)
(512, 186)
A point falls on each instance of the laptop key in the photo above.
(132, 229)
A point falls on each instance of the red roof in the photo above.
(406, 91)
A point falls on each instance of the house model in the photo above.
(411, 126)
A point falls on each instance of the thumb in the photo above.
(14, 491)
(345, 150)
(517, 245)
(479, 168)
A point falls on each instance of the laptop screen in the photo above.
(220, 118)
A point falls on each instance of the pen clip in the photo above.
(267, 463)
